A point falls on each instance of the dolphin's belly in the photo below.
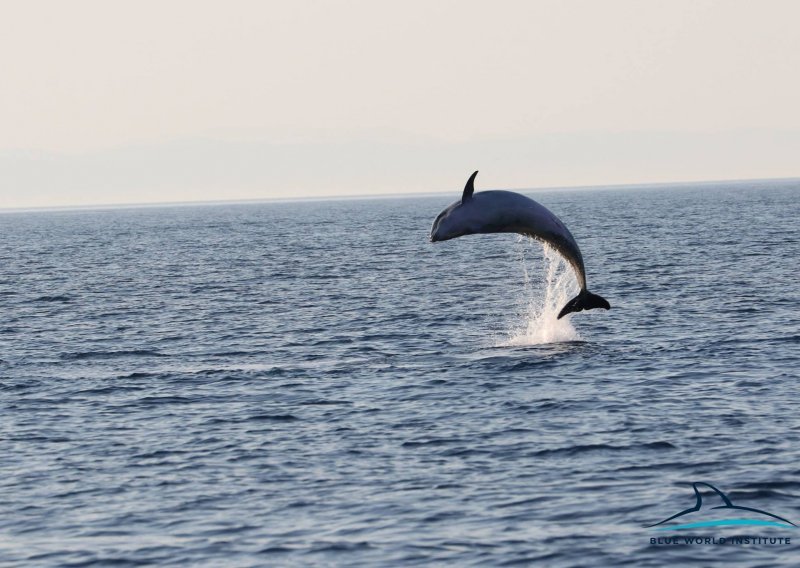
(507, 212)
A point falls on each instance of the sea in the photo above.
(314, 383)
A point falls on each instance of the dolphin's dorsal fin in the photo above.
(469, 189)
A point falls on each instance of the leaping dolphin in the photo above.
(509, 212)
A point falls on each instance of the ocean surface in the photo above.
(315, 384)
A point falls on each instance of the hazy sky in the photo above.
(116, 102)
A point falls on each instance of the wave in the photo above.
(81, 355)
(574, 450)
(55, 298)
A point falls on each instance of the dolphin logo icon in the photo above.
(727, 504)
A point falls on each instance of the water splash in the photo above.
(544, 295)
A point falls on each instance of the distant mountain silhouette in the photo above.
(728, 504)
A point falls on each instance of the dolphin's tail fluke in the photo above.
(584, 301)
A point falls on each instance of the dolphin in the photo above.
(509, 212)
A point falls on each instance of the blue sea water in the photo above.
(315, 384)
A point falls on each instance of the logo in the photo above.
(732, 515)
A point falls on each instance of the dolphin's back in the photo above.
(508, 212)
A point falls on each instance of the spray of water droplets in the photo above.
(549, 283)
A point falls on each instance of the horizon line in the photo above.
(368, 196)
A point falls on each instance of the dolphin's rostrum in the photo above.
(509, 212)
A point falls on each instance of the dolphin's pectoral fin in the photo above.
(585, 300)
(469, 189)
